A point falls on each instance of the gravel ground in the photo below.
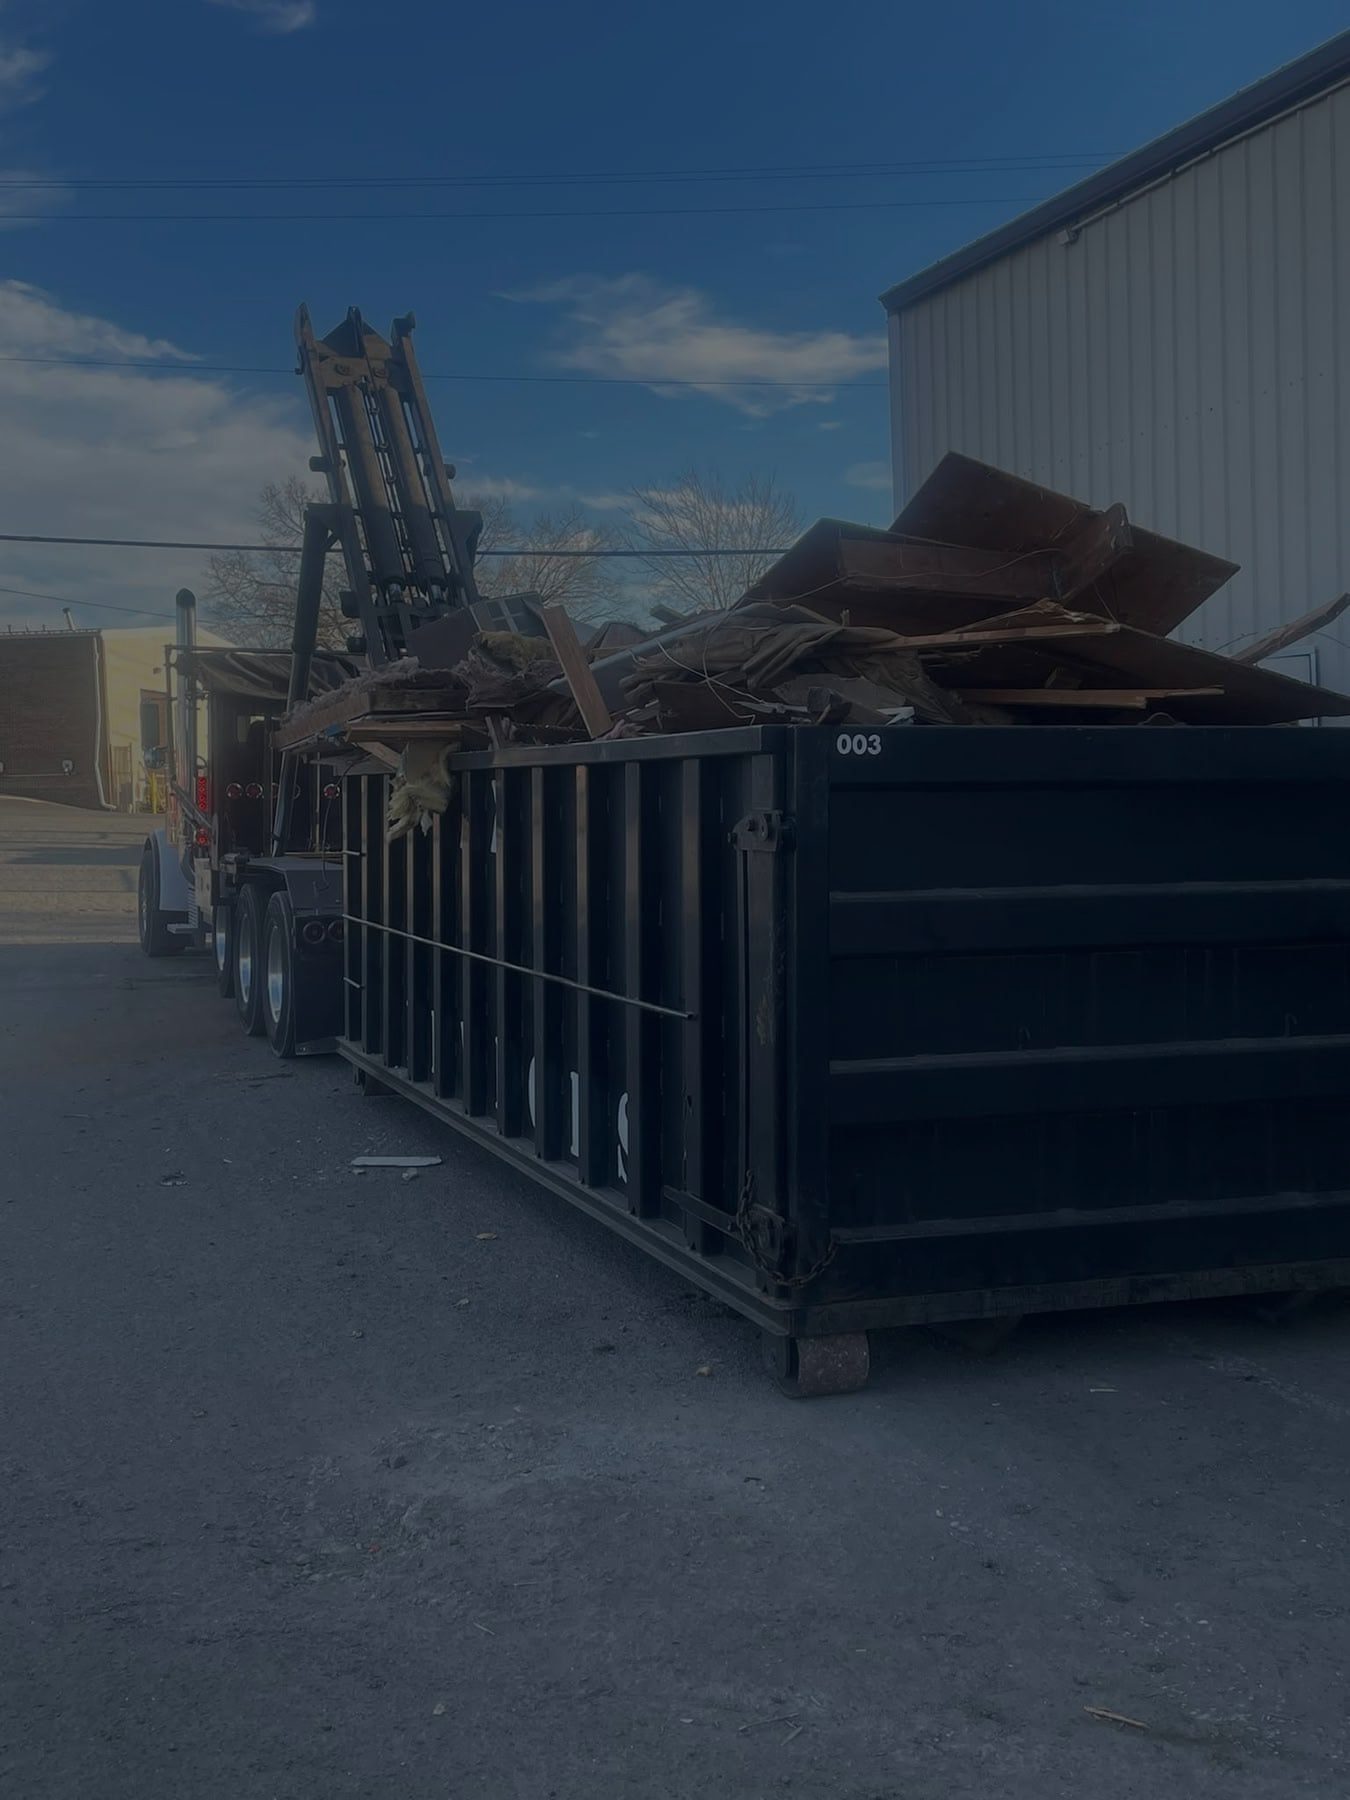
(318, 1486)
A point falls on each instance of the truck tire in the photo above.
(152, 925)
(279, 975)
(248, 982)
(222, 940)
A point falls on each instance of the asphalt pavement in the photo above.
(326, 1486)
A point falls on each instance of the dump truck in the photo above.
(856, 1026)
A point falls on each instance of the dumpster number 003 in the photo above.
(858, 743)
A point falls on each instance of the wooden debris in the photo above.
(1114, 1718)
(567, 648)
(1286, 635)
(991, 601)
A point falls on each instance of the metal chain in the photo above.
(746, 1237)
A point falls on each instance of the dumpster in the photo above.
(865, 1029)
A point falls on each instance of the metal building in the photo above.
(1174, 333)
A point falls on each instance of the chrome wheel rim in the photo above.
(245, 964)
(222, 942)
(276, 975)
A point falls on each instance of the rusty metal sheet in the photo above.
(1153, 585)
(836, 567)
(1249, 696)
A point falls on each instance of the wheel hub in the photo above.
(276, 976)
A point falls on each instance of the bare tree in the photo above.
(702, 517)
(250, 597)
(582, 580)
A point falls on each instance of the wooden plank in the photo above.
(403, 724)
(991, 633)
(1129, 699)
(1284, 636)
(567, 648)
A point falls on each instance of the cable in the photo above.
(204, 368)
(102, 543)
(99, 605)
(855, 171)
(389, 218)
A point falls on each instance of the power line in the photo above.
(98, 605)
(624, 212)
(102, 543)
(205, 368)
(852, 171)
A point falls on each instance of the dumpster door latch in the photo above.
(763, 831)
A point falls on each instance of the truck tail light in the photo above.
(335, 930)
(254, 790)
(313, 931)
(202, 838)
(234, 791)
(203, 793)
(331, 790)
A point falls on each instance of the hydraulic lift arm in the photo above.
(407, 547)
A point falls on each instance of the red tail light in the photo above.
(202, 838)
(203, 793)
(331, 790)
(234, 791)
(254, 790)
(313, 931)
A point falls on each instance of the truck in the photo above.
(855, 1030)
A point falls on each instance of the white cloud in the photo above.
(606, 502)
(641, 329)
(123, 452)
(277, 16)
(21, 72)
(497, 487)
(871, 475)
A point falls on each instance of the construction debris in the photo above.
(990, 601)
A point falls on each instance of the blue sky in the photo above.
(339, 96)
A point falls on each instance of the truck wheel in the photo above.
(279, 975)
(152, 926)
(222, 938)
(248, 979)
(808, 1367)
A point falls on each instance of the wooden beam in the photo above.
(567, 648)
(1118, 699)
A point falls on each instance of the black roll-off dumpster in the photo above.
(863, 1029)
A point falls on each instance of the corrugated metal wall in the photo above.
(1188, 354)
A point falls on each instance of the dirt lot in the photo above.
(318, 1486)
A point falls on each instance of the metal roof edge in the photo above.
(1287, 86)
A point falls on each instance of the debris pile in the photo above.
(990, 601)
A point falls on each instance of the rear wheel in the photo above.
(248, 980)
(279, 975)
(152, 925)
(222, 937)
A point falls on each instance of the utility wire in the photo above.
(205, 368)
(102, 543)
(99, 605)
(622, 212)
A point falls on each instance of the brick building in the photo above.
(78, 712)
(52, 738)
